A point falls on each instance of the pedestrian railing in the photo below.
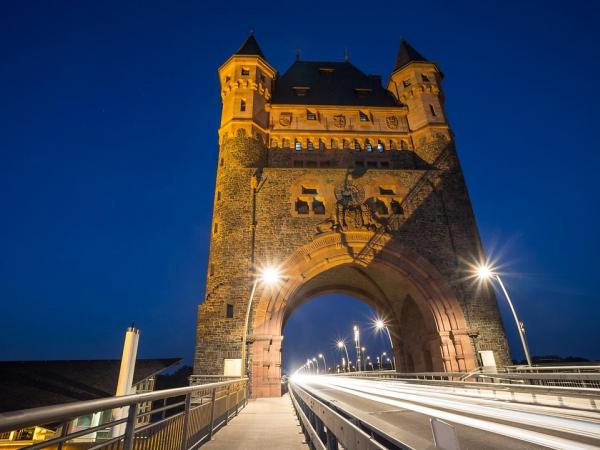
(179, 419)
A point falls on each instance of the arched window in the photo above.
(380, 147)
(368, 146)
(309, 145)
(356, 146)
(298, 146)
(242, 105)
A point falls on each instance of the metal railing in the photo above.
(327, 428)
(588, 379)
(180, 418)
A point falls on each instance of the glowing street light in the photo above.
(380, 325)
(316, 361)
(382, 355)
(322, 356)
(342, 345)
(269, 276)
(357, 345)
(485, 273)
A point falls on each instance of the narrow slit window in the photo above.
(218, 195)
(380, 147)
(245, 72)
(215, 228)
(298, 146)
(309, 190)
(385, 191)
(363, 117)
(381, 208)
(368, 147)
(396, 207)
(356, 146)
(212, 270)
(432, 109)
(243, 105)
(229, 312)
(318, 207)
(301, 206)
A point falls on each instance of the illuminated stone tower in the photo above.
(348, 187)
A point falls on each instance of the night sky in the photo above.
(108, 140)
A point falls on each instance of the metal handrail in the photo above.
(23, 418)
(63, 413)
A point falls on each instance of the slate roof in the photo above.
(330, 83)
(407, 54)
(250, 47)
(29, 384)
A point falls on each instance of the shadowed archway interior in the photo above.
(425, 319)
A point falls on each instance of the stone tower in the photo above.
(348, 187)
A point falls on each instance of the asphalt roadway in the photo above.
(403, 411)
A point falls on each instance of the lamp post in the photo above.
(484, 272)
(308, 363)
(341, 344)
(269, 276)
(322, 356)
(381, 325)
(357, 345)
(382, 355)
(362, 358)
(379, 362)
(344, 368)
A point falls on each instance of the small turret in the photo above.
(246, 86)
(416, 82)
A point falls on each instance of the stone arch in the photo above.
(376, 269)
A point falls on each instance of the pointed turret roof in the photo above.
(250, 47)
(407, 54)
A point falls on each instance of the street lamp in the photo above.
(485, 272)
(357, 345)
(317, 363)
(344, 368)
(382, 355)
(269, 276)
(381, 325)
(322, 356)
(342, 345)
(362, 357)
(379, 362)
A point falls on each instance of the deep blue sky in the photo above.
(108, 140)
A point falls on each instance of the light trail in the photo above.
(436, 402)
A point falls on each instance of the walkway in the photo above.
(264, 424)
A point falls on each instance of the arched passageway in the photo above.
(427, 324)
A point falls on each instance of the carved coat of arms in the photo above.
(285, 119)
(392, 122)
(339, 120)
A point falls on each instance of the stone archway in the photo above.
(396, 282)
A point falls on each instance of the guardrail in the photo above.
(580, 380)
(178, 419)
(325, 427)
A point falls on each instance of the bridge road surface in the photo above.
(264, 424)
(403, 410)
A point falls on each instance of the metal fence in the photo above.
(328, 429)
(180, 418)
(587, 377)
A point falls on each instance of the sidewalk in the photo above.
(264, 424)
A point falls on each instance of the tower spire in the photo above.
(407, 54)
(250, 47)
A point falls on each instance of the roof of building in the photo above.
(407, 54)
(330, 83)
(30, 384)
(250, 47)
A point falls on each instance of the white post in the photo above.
(124, 383)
